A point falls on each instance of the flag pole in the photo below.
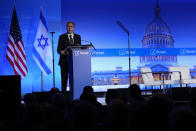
(42, 87)
(53, 59)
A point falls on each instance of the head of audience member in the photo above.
(135, 91)
(160, 103)
(54, 90)
(88, 96)
(110, 95)
(192, 94)
(83, 116)
(34, 116)
(29, 98)
(59, 100)
(118, 115)
(182, 118)
(159, 106)
(88, 89)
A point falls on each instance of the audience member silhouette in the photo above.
(88, 89)
(156, 113)
(136, 104)
(192, 103)
(89, 96)
(118, 115)
(54, 90)
(136, 94)
(29, 98)
(34, 117)
(110, 95)
(159, 106)
(182, 118)
(83, 116)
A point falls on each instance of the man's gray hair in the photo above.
(70, 22)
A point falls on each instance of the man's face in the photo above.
(70, 28)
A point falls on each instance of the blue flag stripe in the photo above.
(43, 20)
(42, 63)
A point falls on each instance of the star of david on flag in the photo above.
(42, 50)
(42, 42)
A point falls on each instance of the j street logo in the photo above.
(187, 51)
(123, 52)
(76, 53)
(157, 52)
(152, 52)
(182, 51)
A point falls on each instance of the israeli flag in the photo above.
(42, 50)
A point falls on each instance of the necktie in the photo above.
(71, 40)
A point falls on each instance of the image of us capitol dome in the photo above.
(157, 36)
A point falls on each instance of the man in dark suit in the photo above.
(65, 41)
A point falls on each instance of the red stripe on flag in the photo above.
(22, 45)
(10, 52)
(12, 64)
(21, 50)
(20, 59)
(19, 67)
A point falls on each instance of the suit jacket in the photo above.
(63, 43)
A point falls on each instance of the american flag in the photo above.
(15, 49)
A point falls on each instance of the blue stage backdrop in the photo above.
(96, 22)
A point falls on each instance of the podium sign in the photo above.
(79, 71)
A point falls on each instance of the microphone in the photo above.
(93, 46)
(86, 41)
(90, 44)
(52, 32)
(122, 27)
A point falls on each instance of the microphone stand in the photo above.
(53, 59)
(123, 28)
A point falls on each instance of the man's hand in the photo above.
(62, 52)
